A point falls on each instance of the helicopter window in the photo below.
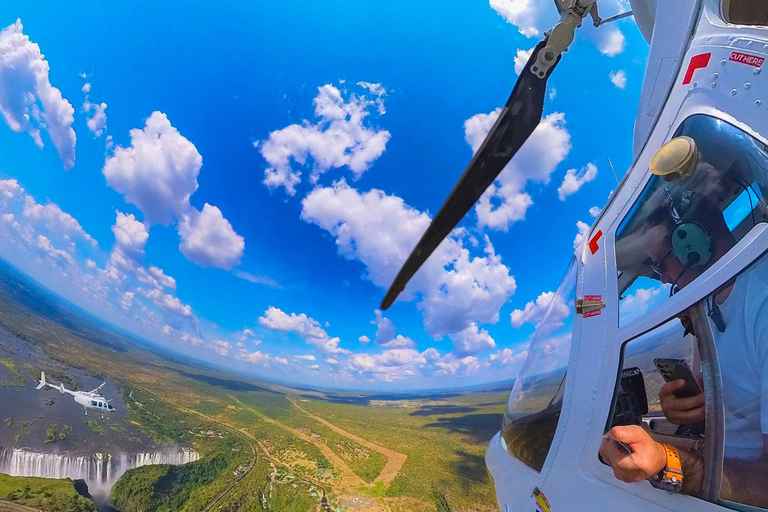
(534, 405)
(734, 346)
(94, 403)
(745, 12)
(685, 221)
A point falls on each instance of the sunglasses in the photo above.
(658, 267)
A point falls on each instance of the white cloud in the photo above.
(638, 303)
(471, 341)
(552, 93)
(506, 201)
(305, 327)
(97, 120)
(208, 240)
(86, 87)
(535, 310)
(574, 180)
(531, 17)
(221, 347)
(53, 219)
(307, 357)
(521, 59)
(595, 211)
(126, 300)
(611, 41)
(385, 329)
(256, 279)
(158, 172)
(364, 339)
(339, 138)
(618, 78)
(28, 101)
(59, 227)
(380, 231)
(130, 236)
(508, 358)
(583, 228)
(162, 278)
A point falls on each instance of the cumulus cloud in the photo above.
(534, 313)
(339, 138)
(583, 228)
(595, 211)
(303, 326)
(31, 218)
(574, 180)
(28, 101)
(521, 59)
(618, 78)
(208, 240)
(380, 230)
(364, 339)
(506, 200)
(385, 329)
(97, 117)
(643, 299)
(158, 172)
(611, 41)
(471, 341)
(531, 17)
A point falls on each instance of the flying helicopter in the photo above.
(88, 399)
(640, 320)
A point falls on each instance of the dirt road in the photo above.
(395, 460)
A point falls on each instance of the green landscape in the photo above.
(262, 446)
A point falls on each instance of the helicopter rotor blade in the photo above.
(520, 116)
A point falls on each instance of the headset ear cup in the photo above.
(691, 244)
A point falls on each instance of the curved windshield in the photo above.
(534, 405)
(687, 220)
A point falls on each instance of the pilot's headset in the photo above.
(689, 240)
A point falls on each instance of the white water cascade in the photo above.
(100, 471)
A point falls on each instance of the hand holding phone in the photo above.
(676, 369)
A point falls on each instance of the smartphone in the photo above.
(674, 369)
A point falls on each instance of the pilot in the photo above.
(739, 314)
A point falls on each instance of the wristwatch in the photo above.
(670, 478)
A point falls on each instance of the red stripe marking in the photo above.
(697, 62)
(593, 243)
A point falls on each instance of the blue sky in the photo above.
(241, 183)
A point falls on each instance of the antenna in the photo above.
(613, 18)
(614, 170)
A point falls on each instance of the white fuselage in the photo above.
(730, 87)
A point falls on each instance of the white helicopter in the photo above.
(656, 372)
(88, 399)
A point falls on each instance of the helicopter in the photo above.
(88, 399)
(638, 320)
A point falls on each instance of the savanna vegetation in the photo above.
(44, 494)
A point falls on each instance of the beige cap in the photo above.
(675, 159)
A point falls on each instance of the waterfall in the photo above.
(100, 471)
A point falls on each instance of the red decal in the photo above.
(589, 314)
(697, 62)
(593, 243)
(745, 58)
(593, 297)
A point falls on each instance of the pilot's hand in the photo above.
(647, 459)
(681, 411)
